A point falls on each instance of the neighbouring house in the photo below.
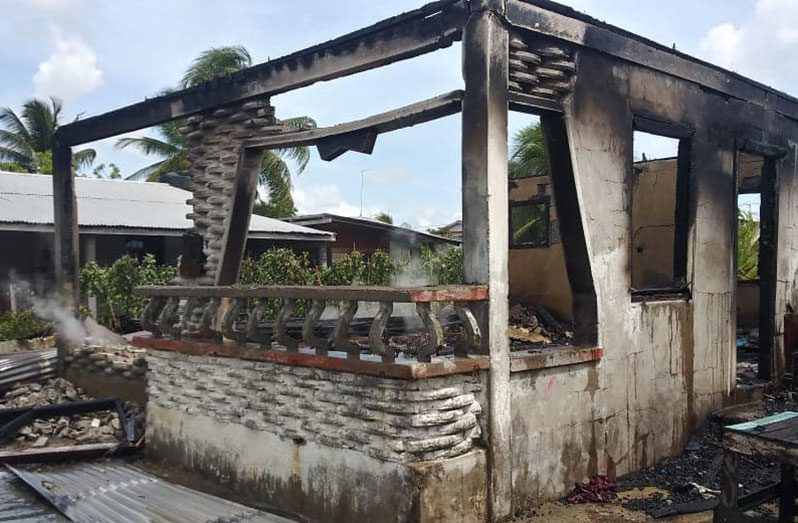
(116, 218)
(368, 235)
(453, 230)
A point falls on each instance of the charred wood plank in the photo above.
(434, 26)
(407, 116)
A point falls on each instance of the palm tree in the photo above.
(529, 156)
(275, 173)
(26, 140)
(747, 246)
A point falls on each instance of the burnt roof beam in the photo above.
(406, 116)
(576, 28)
(434, 26)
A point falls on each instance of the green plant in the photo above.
(21, 324)
(445, 268)
(747, 246)
(113, 285)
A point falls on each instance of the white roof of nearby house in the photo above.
(120, 207)
(325, 218)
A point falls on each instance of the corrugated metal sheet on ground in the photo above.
(116, 491)
(19, 503)
(20, 367)
(28, 198)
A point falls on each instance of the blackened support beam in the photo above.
(486, 223)
(65, 224)
(768, 241)
(417, 32)
(234, 241)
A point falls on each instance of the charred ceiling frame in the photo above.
(508, 47)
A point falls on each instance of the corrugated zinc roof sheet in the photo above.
(28, 199)
(116, 491)
(19, 503)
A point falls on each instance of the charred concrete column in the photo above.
(485, 220)
(217, 159)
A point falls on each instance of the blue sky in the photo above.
(99, 55)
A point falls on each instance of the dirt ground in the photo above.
(609, 512)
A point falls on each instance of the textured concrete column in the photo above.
(215, 142)
(485, 222)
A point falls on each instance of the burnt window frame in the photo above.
(535, 200)
(681, 284)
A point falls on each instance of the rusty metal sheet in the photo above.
(114, 490)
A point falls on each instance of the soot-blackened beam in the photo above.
(234, 241)
(431, 27)
(407, 116)
(561, 22)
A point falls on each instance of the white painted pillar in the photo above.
(91, 256)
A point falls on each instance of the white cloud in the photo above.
(70, 71)
(763, 47)
(323, 198)
(388, 176)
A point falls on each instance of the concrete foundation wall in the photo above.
(330, 446)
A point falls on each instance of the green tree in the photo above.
(528, 155)
(275, 173)
(109, 172)
(26, 139)
(747, 246)
(384, 217)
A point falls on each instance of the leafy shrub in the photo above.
(113, 285)
(21, 324)
(445, 268)
(747, 246)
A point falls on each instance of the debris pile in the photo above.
(693, 477)
(535, 325)
(95, 427)
(597, 489)
(125, 361)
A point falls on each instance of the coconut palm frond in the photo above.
(13, 156)
(148, 145)
(529, 156)
(83, 158)
(747, 246)
(41, 122)
(217, 61)
(16, 143)
(276, 178)
(298, 155)
(14, 124)
(143, 174)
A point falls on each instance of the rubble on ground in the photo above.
(694, 475)
(535, 325)
(126, 361)
(93, 427)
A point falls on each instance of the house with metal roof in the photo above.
(368, 235)
(116, 218)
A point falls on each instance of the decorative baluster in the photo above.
(434, 330)
(189, 307)
(150, 315)
(309, 328)
(207, 319)
(169, 319)
(346, 312)
(280, 325)
(255, 332)
(230, 324)
(376, 330)
(472, 337)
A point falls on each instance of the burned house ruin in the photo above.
(313, 425)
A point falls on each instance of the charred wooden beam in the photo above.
(407, 116)
(234, 241)
(551, 19)
(417, 32)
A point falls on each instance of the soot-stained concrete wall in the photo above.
(327, 445)
(669, 362)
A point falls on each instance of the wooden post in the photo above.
(234, 241)
(730, 490)
(787, 494)
(65, 224)
(485, 222)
